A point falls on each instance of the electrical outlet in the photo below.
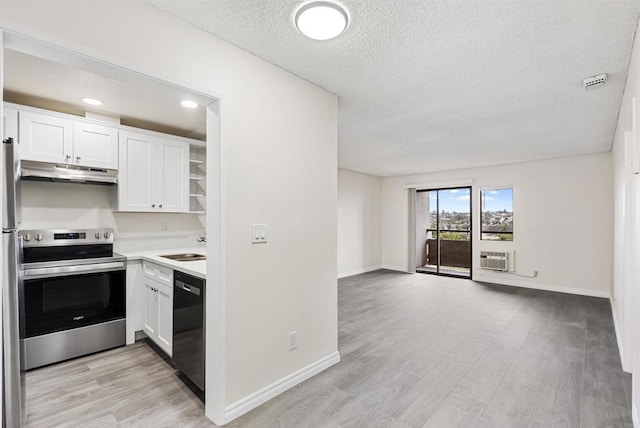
(165, 226)
(293, 340)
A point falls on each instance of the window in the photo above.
(496, 206)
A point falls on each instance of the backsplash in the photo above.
(141, 242)
(68, 205)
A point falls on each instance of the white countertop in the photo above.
(196, 268)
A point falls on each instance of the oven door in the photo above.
(67, 297)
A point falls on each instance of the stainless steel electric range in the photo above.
(72, 295)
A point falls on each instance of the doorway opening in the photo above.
(22, 87)
(443, 231)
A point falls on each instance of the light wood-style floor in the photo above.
(133, 386)
(417, 351)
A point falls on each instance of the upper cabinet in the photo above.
(45, 138)
(137, 172)
(95, 145)
(173, 175)
(156, 172)
(58, 139)
(153, 174)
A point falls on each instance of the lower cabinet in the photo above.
(158, 306)
(165, 318)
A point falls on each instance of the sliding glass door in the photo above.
(443, 241)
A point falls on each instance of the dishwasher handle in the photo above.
(186, 287)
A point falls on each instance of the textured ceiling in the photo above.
(436, 85)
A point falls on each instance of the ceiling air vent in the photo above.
(594, 81)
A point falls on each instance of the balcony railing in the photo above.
(454, 253)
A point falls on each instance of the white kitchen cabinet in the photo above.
(45, 138)
(173, 176)
(137, 172)
(158, 305)
(161, 274)
(95, 145)
(153, 174)
(150, 309)
(164, 296)
(58, 139)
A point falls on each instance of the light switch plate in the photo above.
(258, 233)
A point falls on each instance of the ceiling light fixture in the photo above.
(92, 101)
(189, 104)
(321, 20)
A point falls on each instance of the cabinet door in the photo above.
(173, 176)
(150, 309)
(95, 145)
(165, 318)
(45, 138)
(137, 173)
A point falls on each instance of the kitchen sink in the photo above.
(187, 257)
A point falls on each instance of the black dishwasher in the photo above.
(188, 326)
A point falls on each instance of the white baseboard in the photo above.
(540, 286)
(252, 401)
(614, 313)
(358, 271)
(634, 416)
(393, 267)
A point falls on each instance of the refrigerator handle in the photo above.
(11, 214)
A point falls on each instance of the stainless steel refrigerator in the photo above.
(13, 376)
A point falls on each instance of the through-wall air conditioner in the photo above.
(494, 260)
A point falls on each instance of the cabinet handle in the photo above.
(160, 205)
(153, 205)
(77, 158)
(67, 157)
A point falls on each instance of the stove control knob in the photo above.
(38, 236)
(27, 237)
(107, 235)
(98, 235)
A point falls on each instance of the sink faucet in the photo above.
(202, 239)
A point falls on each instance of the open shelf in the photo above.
(198, 183)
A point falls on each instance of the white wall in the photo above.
(70, 205)
(625, 295)
(359, 223)
(279, 160)
(562, 221)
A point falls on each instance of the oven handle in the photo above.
(72, 270)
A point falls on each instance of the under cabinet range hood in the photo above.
(43, 171)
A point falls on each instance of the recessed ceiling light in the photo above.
(321, 20)
(92, 101)
(189, 104)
